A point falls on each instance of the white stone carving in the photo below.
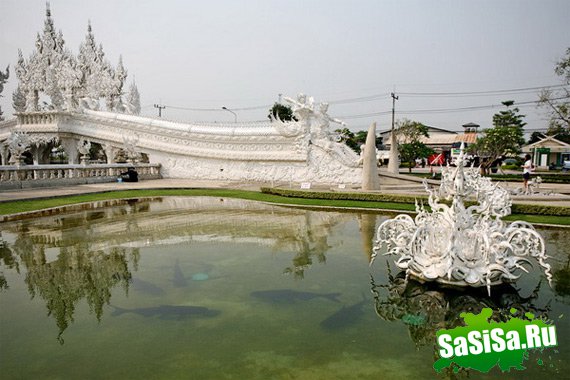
(463, 246)
(130, 146)
(3, 78)
(257, 151)
(83, 147)
(133, 102)
(68, 81)
(19, 100)
(18, 143)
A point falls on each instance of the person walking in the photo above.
(528, 167)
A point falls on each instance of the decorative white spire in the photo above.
(53, 70)
(133, 102)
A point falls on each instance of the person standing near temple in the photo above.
(528, 167)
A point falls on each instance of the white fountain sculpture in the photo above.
(463, 246)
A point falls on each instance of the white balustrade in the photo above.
(44, 175)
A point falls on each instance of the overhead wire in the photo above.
(481, 93)
(444, 110)
(373, 97)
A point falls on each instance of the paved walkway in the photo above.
(12, 195)
(50, 192)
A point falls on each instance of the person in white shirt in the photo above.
(528, 167)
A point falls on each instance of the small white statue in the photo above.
(83, 147)
(323, 121)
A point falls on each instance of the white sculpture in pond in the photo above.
(463, 246)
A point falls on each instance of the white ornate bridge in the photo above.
(298, 151)
(302, 150)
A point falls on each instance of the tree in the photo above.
(347, 137)
(557, 101)
(409, 134)
(505, 138)
(282, 112)
(560, 133)
(535, 137)
(354, 140)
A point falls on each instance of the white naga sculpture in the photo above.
(463, 246)
(18, 143)
(311, 126)
(315, 121)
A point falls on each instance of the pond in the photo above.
(217, 288)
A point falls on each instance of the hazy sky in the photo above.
(208, 54)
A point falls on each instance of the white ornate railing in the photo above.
(40, 117)
(13, 177)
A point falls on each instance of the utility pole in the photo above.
(393, 162)
(394, 98)
(280, 96)
(160, 108)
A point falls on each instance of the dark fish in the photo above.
(291, 296)
(179, 280)
(146, 287)
(344, 317)
(169, 312)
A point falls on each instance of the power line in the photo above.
(443, 110)
(218, 109)
(373, 97)
(361, 99)
(483, 93)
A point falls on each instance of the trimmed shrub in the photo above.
(528, 209)
(310, 194)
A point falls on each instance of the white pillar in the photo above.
(393, 161)
(370, 180)
(70, 147)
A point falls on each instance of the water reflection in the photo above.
(426, 308)
(77, 272)
(7, 260)
(561, 267)
(86, 254)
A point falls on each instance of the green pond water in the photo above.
(210, 288)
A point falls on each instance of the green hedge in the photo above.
(520, 208)
(344, 196)
(528, 209)
(546, 177)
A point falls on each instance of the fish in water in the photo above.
(200, 276)
(291, 296)
(169, 312)
(344, 317)
(179, 280)
(146, 287)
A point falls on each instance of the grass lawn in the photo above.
(14, 207)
